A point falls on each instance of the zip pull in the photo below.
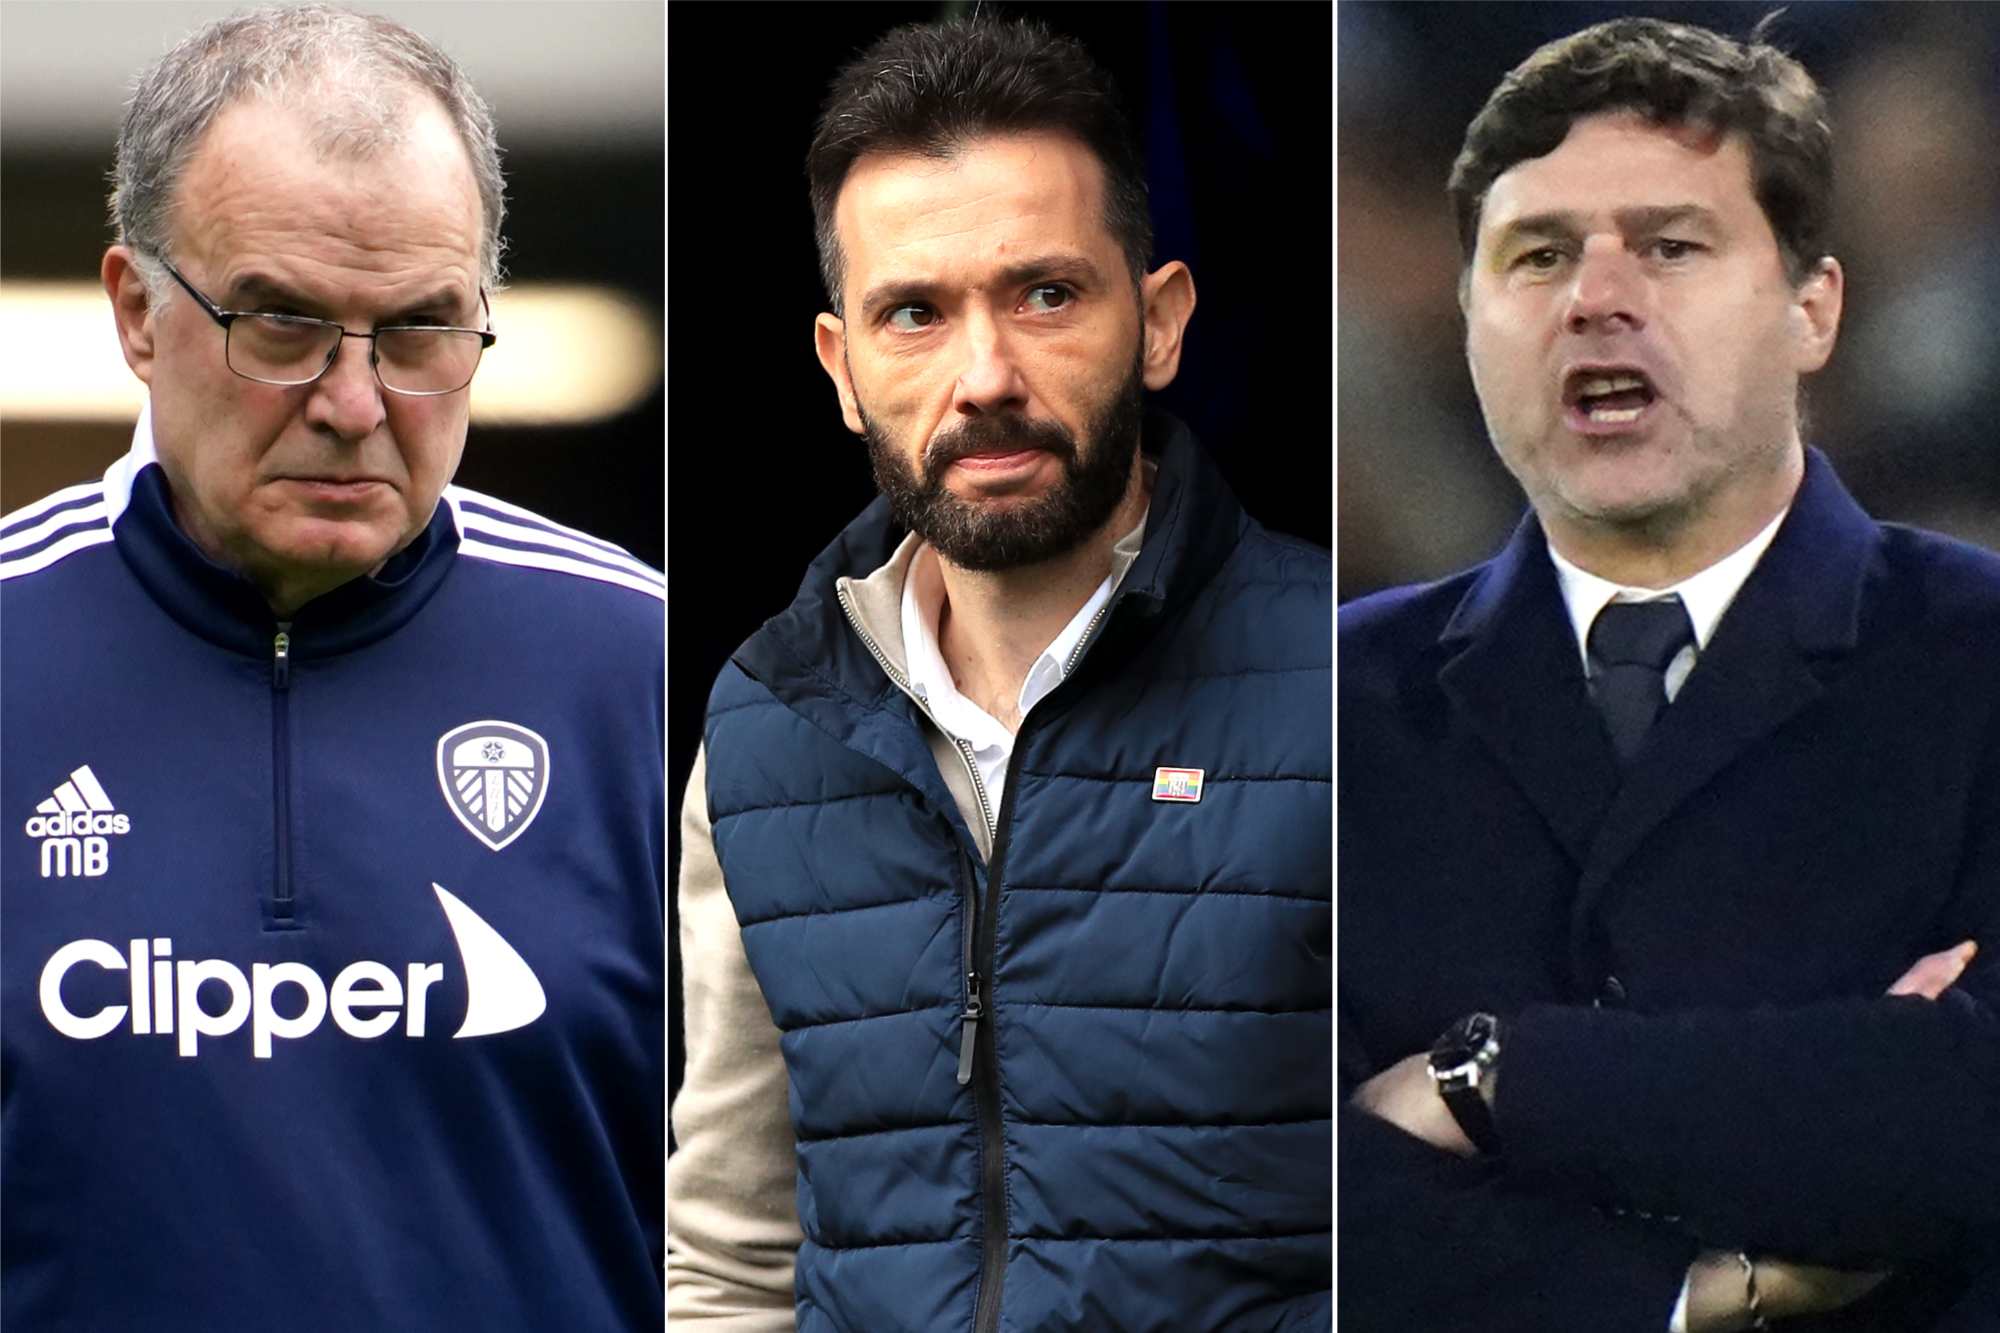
(974, 1010)
(281, 661)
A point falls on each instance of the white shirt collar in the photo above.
(1706, 595)
(930, 679)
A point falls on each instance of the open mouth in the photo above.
(1608, 397)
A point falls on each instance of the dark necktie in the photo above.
(1630, 645)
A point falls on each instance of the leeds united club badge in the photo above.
(494, 776)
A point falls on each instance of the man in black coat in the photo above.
(1669, 837)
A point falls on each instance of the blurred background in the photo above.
(1907, 408)
(568, 409)
(1233, 104)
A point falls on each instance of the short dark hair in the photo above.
(1672, 74)
(934, 89)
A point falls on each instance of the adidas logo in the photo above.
(75, 825)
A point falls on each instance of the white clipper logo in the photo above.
(494, 776)
(501, 991)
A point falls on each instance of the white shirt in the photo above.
(930, 680)
(1705, 595)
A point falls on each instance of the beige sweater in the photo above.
(732, 1208)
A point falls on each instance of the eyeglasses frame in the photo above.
(225, 318)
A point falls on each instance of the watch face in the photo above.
(1462, 1042)
(1460, 1062)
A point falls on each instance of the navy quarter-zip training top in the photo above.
(331, 957)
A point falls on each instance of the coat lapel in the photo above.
(1516, 680)
(1798, 613)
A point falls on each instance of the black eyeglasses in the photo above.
(419, 360)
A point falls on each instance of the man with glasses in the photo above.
(423, 360)
(333, 973)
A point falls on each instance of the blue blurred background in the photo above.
(1907, 408)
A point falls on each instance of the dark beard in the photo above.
(1010, 532)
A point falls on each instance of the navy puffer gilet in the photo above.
(1144, 1141)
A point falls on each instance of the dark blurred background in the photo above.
(576, 87)
(1908, 405)
(1234, 104)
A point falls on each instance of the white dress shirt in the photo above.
(1705, 595)
(930, 680)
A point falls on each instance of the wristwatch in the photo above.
(1463, 1059)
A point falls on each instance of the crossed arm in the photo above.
(1421, 1177)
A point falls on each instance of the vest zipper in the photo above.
(1089, 631)
(979, 1062)
(902, 682)
(986, 1062)
(281, 772)
(978, 783)
(975, 1009)
(986, 1088)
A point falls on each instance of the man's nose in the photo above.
(989, 380)
(347, 399)
(1607, 292)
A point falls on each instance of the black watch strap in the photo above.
(1462, 1061)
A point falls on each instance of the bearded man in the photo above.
(1009, 850)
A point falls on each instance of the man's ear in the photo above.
(131, 307)
(1818, 314)
(1166, 299)
(830, 341)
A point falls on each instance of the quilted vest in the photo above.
(1088, 1085)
